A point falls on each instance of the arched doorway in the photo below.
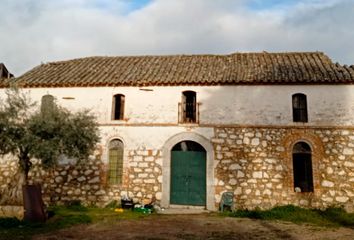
(166, 170)
(302, 167)
(188, 174)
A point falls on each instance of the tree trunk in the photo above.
(33, 203)
(32, 194)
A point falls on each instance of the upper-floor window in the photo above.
(188, 108)
(47, 104)
(299, 108)
(118, 107)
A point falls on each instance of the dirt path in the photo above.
(190, 227)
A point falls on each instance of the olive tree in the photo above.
(45, 133)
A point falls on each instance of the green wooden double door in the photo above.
(188, 178)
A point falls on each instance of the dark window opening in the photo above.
(189, 107)
(299, 108)
(115, 155)
(188, 146)
(118, 107)
(302, 168)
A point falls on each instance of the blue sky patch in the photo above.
(269, 4)
(137, 4)
(126, 6)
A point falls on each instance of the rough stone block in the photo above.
(348, 151)
(255, 142)
(235, 166)
(137, 158)
(342, 199)
(240, 174)
(326, 183)
(149, 159)
(349, 164)
(257, 174)
(94, 180)
(149, 180)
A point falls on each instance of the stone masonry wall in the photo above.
(256, 164)
(86, 182)
(145, 174)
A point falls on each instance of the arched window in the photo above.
(47, 104)
(189, 107)
(299, 107)
(302, 167)
(115, 155)
(118, 107)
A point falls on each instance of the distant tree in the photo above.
(47, 133)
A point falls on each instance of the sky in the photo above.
(40, 31)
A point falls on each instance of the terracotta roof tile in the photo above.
(232, 69)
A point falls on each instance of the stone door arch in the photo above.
(166, 166)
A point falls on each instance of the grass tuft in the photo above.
(338, 215)
(331, 217)
(113, 204)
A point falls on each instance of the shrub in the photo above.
(8, 222)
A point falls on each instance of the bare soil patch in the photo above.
(190, 227)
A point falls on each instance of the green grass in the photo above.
(331, 217)
(67, 216)
(63, 217)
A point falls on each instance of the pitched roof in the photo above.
(233, 69)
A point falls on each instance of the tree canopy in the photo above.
(45, 133)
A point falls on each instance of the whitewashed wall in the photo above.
(331, 105)
(262, 105)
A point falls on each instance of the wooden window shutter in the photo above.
(122, 104)
(118, 107)
(184, 107)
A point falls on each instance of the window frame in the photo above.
(188, 108)
(115, 169)
(300, 108)
(121, 99)
(303, 173)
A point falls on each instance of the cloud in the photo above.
(35, 31)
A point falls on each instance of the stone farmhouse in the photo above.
(273, 128)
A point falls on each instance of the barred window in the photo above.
(116, 149)
(118, 107)
(302, 167)
(299, 108)
(189, 107)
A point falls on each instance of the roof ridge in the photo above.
(179, 55)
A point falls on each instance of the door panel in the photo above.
(188, 178)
